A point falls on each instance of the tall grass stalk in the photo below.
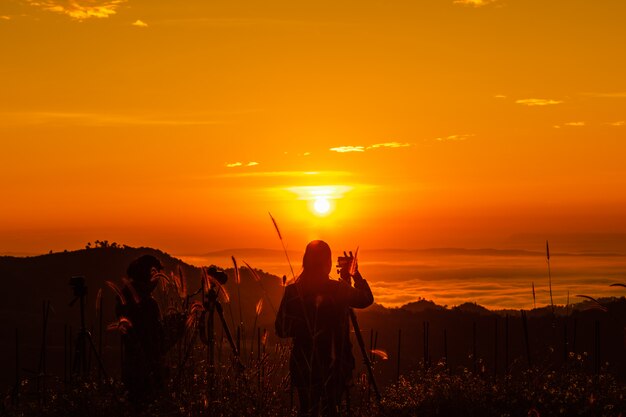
(549, 276)
(238, 282)
(280, 236)
(257, 278)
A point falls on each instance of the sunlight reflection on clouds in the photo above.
(80, 10)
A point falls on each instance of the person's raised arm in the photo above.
(361, 296)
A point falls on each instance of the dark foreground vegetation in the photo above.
(261, 391)
(428, 360)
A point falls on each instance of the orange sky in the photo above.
(179, 125)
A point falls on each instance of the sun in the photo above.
(321, 200)
(321, 205)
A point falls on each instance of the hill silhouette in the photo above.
(28, 281)
(469, 329)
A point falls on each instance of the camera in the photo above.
(78, 285)
(217, 273)
(344, 262)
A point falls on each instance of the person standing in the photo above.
(143, 342)
(314, 312)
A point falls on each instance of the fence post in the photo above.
(474, 346)
(399, 345)
(506, 344)
(445, 346)
(495, 347)
(526, 338)
(17, 368)
(597, 361)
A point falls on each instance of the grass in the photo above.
(262, 389)
(569, 391)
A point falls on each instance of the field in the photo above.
(428, 360)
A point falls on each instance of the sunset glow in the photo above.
(438, 123)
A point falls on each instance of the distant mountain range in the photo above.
(259, 252)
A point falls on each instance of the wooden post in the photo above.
(122, 353)
(445, 346)
(41, 377)
(100, 335)
(427, 344)
(526, 338)
(399, 345)
(565, 344)
(65, 353)
(424, 347)
(506, 344)
(258, 352)
(574, 335)
(70, 341)
(495, 347)
(17, 368)
(426, 337)
(474, 346)
(597, 361)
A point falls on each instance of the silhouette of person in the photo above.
(143, 342)
(314, 312)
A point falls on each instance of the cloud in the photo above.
(619, 123)
(98, 119)
(570, 124)
(499, 96)
(292, 174)
(80, 9)
(346, 149)
(5, 17)
(538, 102)
(241, 164)
(313, 192)
(454, 138)
(140, 23)
(389, 145)
(474, 3)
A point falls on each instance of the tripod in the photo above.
(211, 304)
(206, 326)
(83, 339)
